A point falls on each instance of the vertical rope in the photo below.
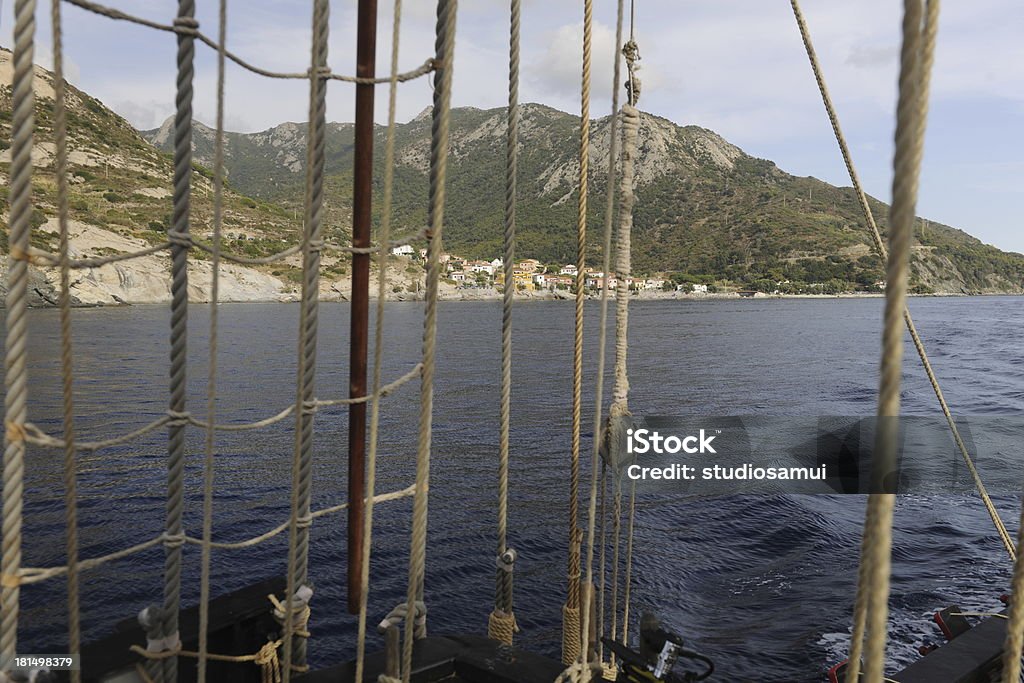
(623, 268)
(178, 235)
(211, 382)
(378, 339)
(616, 536)
(444, 47)
(15, 360)
(997, 521)
(601, 560)
(60, 133)
(501, 624)
(911, 114)
(602, 340)
(302, 462)
(629, 564)
(573, 600)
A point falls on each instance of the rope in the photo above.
(619, 410)
(915, 65)
(502, 623)
(620, 407)
(579, 666)
(1014, 642)
(876, 235)
(302, 466)
(211, 384)
(602, 558)
(36, 437)
(378, 344)
(179, 324)
(15, 362)
(444, 47)
(30, 575)
(573, 598)
(66, 347)
(266, 657)
(193, 31)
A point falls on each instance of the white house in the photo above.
(459, 275)
(403, 250)
(568, 269)
(700, 289)
(481, 267)
(539, 280)
(497, 263)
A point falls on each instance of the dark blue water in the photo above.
(764, 585)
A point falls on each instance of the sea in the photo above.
(762, 584)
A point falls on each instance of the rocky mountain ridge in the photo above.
(706, 211)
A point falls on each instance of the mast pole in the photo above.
(366, 52)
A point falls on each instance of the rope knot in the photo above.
(180, 239)
(267, 654)
(178, 419)
(631, 51)
(506, 560)
(173, 540)
(303, 522)
(309, 407)
(187, 26)
(401, 612)
(298, 606)
(316, 245)
(14, 432)
(321, 72)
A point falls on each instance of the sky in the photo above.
(734, 66)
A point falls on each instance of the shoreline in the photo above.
(547, 296)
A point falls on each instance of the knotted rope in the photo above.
(444, 47)
(871, 607)
(179, 324)
(165, 649)
(501, 624)
(581, 667)
(70, 469)
(15, 361)
(302, 460)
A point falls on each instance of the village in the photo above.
(530, 275)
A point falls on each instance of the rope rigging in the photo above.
(581, 631)
(586, 664)
(920, 24)
(501, 624)
(161, 622)
(880, 247)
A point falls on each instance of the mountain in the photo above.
(120, 201)
(705, 210)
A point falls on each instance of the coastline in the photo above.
(473, 296)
